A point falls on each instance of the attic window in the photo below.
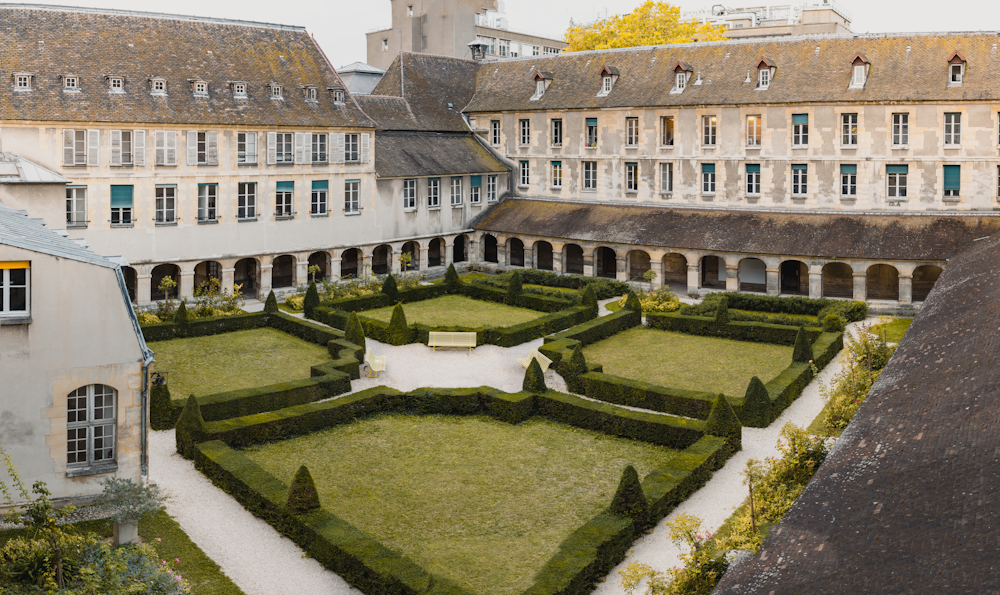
(158, 86)
(956, 69)
(859, 71)
(680, 81)
(310, 93)
(71, 82)
(200, 88)
(606, 85)
(765, 73)
(542, 82)
(275, 90)
(338, 95)
(22, 81)
(609, 76)
(239, 90)
(116, 84)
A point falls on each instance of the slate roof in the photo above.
(432, 154)
(17, 230)
(428, 83)
(90, 44)
(18, 170)
(906, 67)
(908, 500)
(864, 236)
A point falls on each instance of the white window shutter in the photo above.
(251, 147)
(116, 147)
(272, 149)
(364, 148)
(93, 147)
(192, 147)
(171, 147)
(139, 147)
(159, 137)
(213, 148)
(338, 156)
(68, 137)
(300, 142)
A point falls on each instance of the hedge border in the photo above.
(583, 558)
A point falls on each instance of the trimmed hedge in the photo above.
(849, 310)
(603, 288)
(738, 330)
(644, 395)
(599, 328)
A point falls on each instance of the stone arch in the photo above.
(159, 272)
(435, 253)
(283, 271)
(413, 249)
(924, 277)
(713, 272)
(205, 272)
(350, 263)
(838, 280)
(131, 282)
(882, 282)
(638, 264)
(752, 275)
(247, 276)
(490, 248)
(793, 277)
(458, 249)
(380, 259)
(515, 252)
(543, 255)
(675, 269)
(605, 262)
(573, 259)
(321, 260)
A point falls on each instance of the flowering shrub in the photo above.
(661, 300)
(866, 355)
(148, 318)
(348, 288)
(703, 564)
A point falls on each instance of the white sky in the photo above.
(340, 25)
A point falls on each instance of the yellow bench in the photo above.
(376, 364)
(543, 361)
(437, 339)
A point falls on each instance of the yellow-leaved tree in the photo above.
(653, 23)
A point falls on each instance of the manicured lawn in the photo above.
(475, 500)
(893, 330)
(684, 361)
(458, 310)
(231, 361)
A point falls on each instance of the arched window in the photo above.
(90, 425)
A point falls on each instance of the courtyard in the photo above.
(457, 310)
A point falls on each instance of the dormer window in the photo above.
(239, 90)
(682, 74)
(765, 72)
(859, 71)
(680, 81)
(338, 94)
(539, 88)
(606, 85)
(201, 89)
(609, 75)
(310, 93)
(275, 89)
(158, 86)
(22, 81)
(956, 69)
(116, 84)
(542, 82)
(71, 83)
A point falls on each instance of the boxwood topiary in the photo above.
(451, 277)
(181, 316)
(722, 312)
(271, 303)
(161, 410)
(833, 324)
(589, 299)
(355, 332)
(577, 362)
(302, 494)
(534, 378)
(514, 287)
(722, 422)
(390, 289)
(756, 405)
(190, 428)
(632, 302)
(803, 351)
(399, 331)
(629, 500)
(311, 301)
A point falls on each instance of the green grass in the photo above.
(894, 329)
(684, 361)
(468, 277)
(458, 310)
(237, 360)
(481, 502)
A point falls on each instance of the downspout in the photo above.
(147, 359)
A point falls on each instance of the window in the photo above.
(116, 84)
(201, 88)
(385, 45)
(952, 180)
(708, 178)
(708, 128)
(246, 206)
(158, 87)
(848, 180)
(246, 147)
(409, 194)
(22, 82)
(495, 133)
(800, 130)
(283, 194)
(283, 148)
(433, 193)
(539, 89)
(753, 179)
(632, 132)
(491, 45)
(631, 177)
(557, 133)
(849, 130)
(275, 91)
(90, 425)
(525, 132)
(81, 147)
(76, 206)
(666, 131)
(590, 175)
(456, 191)
(753, 131)
(319, 148)
(14, 289)
(858, 78)
(896, 175)
(900, 130)
(557, 174)
(202, 148)
(475, 187)
(534, 50)
(591, 132)
(666, 178)
(491, 188)
(121, 205)
(606, 85)
(352, 196)
(352, 152)
(504, 47)
(763, 78)
(800, 180)
(525, 173)
(956, 73)
(311, 94)
(207, 195)
(338, 96)
(128, 147)
(166, 147)
(409, 11)
(240, 90)
(550, 51)
(166, 204)
(71, 83)
(680, 80)
(317, 205)
(953, 129)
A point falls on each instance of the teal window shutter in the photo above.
(477, 181)
(800, 118)
(121, 196)
(800, 166)
(897, 169)
(591, 121)
(952, 177)
(753, 168)
(849, 169)
(321, 185)
(286, 186)
(708, 168)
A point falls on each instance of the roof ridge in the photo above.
(151, 15)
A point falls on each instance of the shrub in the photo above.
(302, 494)
(866, 356)
(271, 303)
(701, 567)
(399, 331)
(534, 378)
(514, 288)
(390, 289)
(190, 428)
(296, 302)
(147, 318)
(802, 351)
(577, 362)
(181, 317)
(589, 299)
(451, 277)
(722, 422)
(833, 324)
(311, 301)
(355, 332)
(127, 501)
(756, 410)
(661, 300)
(629, 500)
(722, 313)
(161, 409)
(632, 303)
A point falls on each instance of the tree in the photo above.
(390, 289)
(399, 331)
(127, 502)
(405, 259)
(652, 23)
(313, 271)
(167, 284)
(355, 333)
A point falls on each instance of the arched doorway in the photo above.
(413, 250)
(322, 261)
(638, 264)
(247, 276)
(131, 282)
(349, 263)
(883, 282)
(675, 267)
(752, 275)
(515, 252)
(794, 278)
(490, 248)
(606, 264)
(924, 278)
(713, 272)
(283, 272)
(205, 272)
(458, 249)
(160, 272)
(573, 255)
(838, 280)
(380, 259)
(435, 253)
(543, 255)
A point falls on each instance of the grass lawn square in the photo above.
(237, 360)
(893, 330)
(458, 310)
(684, 361)
(481, 502)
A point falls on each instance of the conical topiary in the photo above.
(534, 378)
(589, 299)
(161, 410)
(722, 312)
(190, 428)
(756, 405)
(271, 303)
(629, 500)
(803, 352)
(632, 303)
(355, 332)
(451, 277)
(577, 363)
(311, 301)
(722, 422)
(514, 287)
(181, 316)
(399, 331)
(390, 289)
(302, 494)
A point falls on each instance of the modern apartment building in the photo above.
(802, 17)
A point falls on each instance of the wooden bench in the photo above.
(437, 339)
(376, 364)
(543, 361)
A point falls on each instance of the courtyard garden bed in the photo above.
(458, 310)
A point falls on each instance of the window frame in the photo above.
(632, 132)
(858, 80)
(122, 216)
(90, 424)
(243, 154)
(71, 83)
(76, 206)
(495, 133)
(590, 175)
(208, 202)
(491, 188)
(848, 186)
(116, 84)
(900, 126)
(524, 132)
(666, 177)
(556, 130)
(284, 148)
(410, 194)
(707, 182)
(606, 84)
(246, 201)
(591, 131)
(457, 188)
(352, 197)
(524, 171)
(352, 147)
(896, 185)
(632, 176)
(752, 182)
(319, 204)
(953, 129)
(164, 215)
(680, 82)
(952, 81)
(284, 203)
(754, 130)
(849, 129)
(763, 78)
(667, 131)
(433, 193)
(951, 193)
(7, 286)
(320, 145)
(709, 131)
(22, 82)
(556, 173)
(800, 181)
(800, 133)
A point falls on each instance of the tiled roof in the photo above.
(92, 44)
(389, 113)
(431, 154)
(911, 67)
(429, 84)
(865, 236)
(907, 500)
(17, 230)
